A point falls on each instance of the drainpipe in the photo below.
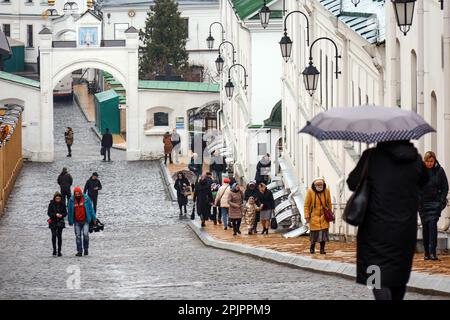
(421, 66)
(446, 155)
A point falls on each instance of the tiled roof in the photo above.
(9, 116)
(18, 79)
(367, 19)
(248, 8)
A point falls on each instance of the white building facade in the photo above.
(249, 119)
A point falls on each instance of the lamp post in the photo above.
(264, 13)
(311, 74)
(210, 39)
(356, 2)
(219, 61)
(229, 86)
(286, 42)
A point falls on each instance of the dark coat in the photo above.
(107, 140)
(218, 164)
(53, 209)
(65, 181)
(267, 200)
(203, 198)
(182, 199)
(433, 198)
(253, 193)
(387, 236)
(258, 177)
(90, 186)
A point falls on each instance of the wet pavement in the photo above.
(145, 252)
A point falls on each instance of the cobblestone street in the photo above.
(145, 251)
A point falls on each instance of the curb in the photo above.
(77, 102)
(168, 181)
(418, 282)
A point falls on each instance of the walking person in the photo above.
(267, 207)
(176, 143)
(80, 215)
(92, 187)
(216, 214)
(433, 199)
(107, 143)
(56, 212)
(68, 136)
(250, 214)
(387, 236)
(195, 166)
(217, 165)
(168, 147)
(252, 191)
(222, 201)
(235, 199)
(317, 198)
(203, 199)
(65, 183)
(181, 185)
(263, 170)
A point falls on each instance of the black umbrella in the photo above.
(369, 124)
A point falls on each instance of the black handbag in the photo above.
(356, 207)
(102, 151)
(273, 223)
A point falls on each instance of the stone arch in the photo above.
(59, 74)
(205, 105)
(59, 34)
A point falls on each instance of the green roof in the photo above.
(274, 121)
(274, 14)
(18, 79)
(247, 8)
(106, 95)
(179, 86)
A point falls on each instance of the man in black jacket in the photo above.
(92, 186)
(65, 182)
(107, 143)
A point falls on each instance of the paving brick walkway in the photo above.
(145, 252)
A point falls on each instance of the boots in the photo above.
(322, 247)
(312, 248)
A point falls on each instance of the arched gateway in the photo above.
(60, 58)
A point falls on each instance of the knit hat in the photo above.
(252, 182)
(226, 180)
(319, 178)
(57, 194)
(95, 174)
(77, 189)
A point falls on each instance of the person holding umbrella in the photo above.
(392, 175)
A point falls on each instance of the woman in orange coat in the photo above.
(167, 140)
(317, 198)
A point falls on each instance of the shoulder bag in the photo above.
(328, 213)
(356, 207)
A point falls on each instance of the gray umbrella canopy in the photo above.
(369, 124)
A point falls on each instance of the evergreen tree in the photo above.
(164, 40)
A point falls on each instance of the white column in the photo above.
(391, 48)
(133, 124)
(45, 153)
(421, 68)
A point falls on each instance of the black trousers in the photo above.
(236, 225)
(168, 155)
(66, 194)
(181, 207)
(107, 151)
(69, 149)
(430, 234)
(56, 234)
(216, 214)
(94, 201)
(392, 293)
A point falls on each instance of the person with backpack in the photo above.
(222, 201)
(92, 187)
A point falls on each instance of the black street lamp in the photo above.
(210, 39)
(286, 42)
(264, 15)
(219, 61)
(356, 2)
(229, 86)
(311, 74)
(404, 13)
